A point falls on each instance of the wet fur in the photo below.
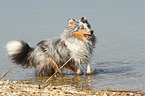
(48, 55)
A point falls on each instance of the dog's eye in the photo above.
(82, 27)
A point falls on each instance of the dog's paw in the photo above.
(79, 72)
(93, 72)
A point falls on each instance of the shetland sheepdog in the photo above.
(49, 55)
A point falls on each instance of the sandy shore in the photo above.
(25, 88)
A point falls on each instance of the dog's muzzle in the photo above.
(91, 31)
(89, 35)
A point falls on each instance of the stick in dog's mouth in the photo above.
(89, 36)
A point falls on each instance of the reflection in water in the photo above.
(80, 82)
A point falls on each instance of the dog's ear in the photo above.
(71, 23)
(84, 20)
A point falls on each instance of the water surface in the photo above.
(119, 27)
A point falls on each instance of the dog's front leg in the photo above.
(89, 72)
(74, 68)
(88, 69)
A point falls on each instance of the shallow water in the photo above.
(119, 27)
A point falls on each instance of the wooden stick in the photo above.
(5, 74)
(92, 91)
(67, 61)
(122, 90)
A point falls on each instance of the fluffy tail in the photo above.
(20, 52)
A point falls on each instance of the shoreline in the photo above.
(17, 87)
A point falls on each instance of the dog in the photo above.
(49, 55)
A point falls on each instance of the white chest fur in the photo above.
(84, 54)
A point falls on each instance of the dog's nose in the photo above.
(91, 31)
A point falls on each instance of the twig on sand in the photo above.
(5, 74)
(123, 90)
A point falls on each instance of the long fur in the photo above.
(48, 55)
